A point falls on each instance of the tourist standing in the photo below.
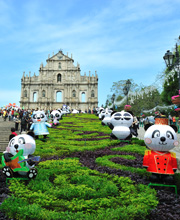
(135, 125)
(9, 115)
(5, 115)
(29, 122)
(12, 114)
(23, 124)
(170, 119)
(174, 120)
(17, 122)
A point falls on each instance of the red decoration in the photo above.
(175, 99)
(160, 162)
(161, 121)
(127, 107)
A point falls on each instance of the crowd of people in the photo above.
(21, 118)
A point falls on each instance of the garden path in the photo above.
(5, 131)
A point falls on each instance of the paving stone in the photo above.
(5, 131)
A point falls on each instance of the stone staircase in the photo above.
(5, 131)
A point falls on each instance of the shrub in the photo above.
(64, 189)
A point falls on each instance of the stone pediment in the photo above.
(60, 57)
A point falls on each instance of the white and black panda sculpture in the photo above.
(160, 138)
(99, 110)
(102, 114)
(18, 157)
(56, 116)
(120, 124)
(107, 117)
(39, 125)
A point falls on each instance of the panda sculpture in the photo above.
(18, 157)
(39, 125)
(102, 114)
(120, 125)
(75, 111)
(107, 116)
(56, 116)
(98, 110)
(160, 138)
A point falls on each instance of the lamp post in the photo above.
(173, 62)
(112, 99)
(127, 88)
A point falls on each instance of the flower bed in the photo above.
(175, 99)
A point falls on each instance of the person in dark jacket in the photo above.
(23, 124)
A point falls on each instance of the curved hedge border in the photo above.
(105, 161)
(65, 190)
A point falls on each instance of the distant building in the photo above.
(58, 83)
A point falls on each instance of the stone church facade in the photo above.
(59, 82)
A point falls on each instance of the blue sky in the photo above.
(120, 39)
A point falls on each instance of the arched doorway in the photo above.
(59, 96)
(83, 97)
(35, 97)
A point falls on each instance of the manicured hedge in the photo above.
(105, 161)
(62, 139)
(64, 189)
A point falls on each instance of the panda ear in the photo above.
(174, 127)
(113, 112)
(31, 133)
(11, 136)
(101, 110)
(147, 126)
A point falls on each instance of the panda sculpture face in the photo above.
(122, 119)
(22, 141)
(38, 117)
(102, 114)
(55, 114)
(160, 138)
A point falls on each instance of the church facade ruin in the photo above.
(59, 82)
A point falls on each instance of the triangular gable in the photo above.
(59, 56)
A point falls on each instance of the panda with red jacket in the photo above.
(160, 138)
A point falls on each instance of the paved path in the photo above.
(5, 131)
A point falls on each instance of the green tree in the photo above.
(145, 101)
(170, 87)
(117, 87)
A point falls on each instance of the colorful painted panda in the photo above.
(18, 157)
(40, 125)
